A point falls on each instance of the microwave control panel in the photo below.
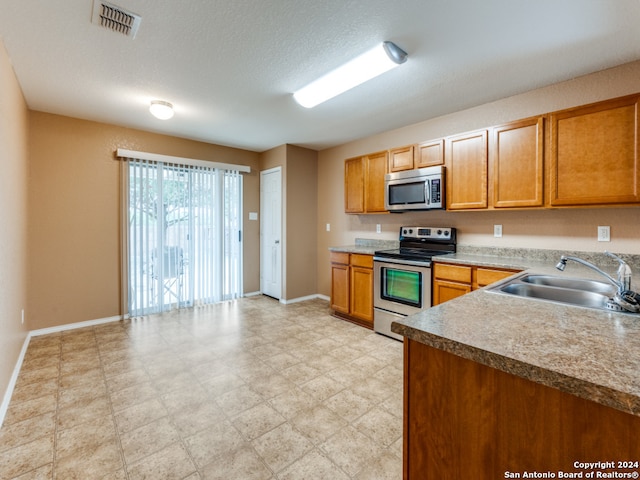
(435, 191)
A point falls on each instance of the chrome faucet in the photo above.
(624, 271)
(561, 265)
(624, 297)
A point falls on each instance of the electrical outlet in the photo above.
(22, 321)
(328, 227)
(378, 228)
(497, 231)
(604, 234)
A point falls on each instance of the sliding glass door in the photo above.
(184, 236)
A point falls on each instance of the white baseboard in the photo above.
(293, 300)
(12, 382)
(73, 326)
(302, 299)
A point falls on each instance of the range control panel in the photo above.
(431, 233)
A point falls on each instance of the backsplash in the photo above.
(552, 256)
(541, 255)
(376, 243)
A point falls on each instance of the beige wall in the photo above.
(74, 214)
(558, 229)
(299, 197)
(301, 214)
(13, 219)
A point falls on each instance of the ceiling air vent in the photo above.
(115, 18)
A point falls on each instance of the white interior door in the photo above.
(271, 232)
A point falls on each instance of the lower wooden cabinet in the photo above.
(352, 287)
(449, 282)
(340, 282)
(464, 420)
(452, 281)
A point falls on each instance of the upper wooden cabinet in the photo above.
(512, 179)
(354, 185)
(583, 156)
(426, 154)
(401, 158)
(364, 183)
(594, 154)
(517, 164)
(466, 159)
(376, 164)
(430, 154)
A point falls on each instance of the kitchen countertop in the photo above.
(366, 246)
(585, 352)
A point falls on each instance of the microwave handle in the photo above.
(427, 191)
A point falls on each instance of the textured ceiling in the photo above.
(229, 67)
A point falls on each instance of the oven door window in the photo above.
(402, 286)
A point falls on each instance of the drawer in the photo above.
(456, 273)
(339, 257)
(360, 260)
(487, 276)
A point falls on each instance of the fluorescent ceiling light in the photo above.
(161, 110)
(369, 65)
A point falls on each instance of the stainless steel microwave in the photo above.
(420, 189)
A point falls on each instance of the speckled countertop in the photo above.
(367, 246)
(585, 352)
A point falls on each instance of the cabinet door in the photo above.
(354, 185)
(455, 273)
(376, 164)
(401, 158)
(444, 290)
(430, 154)
(340, 287)
(517, 164)
(467, 170)
(361, 260)
(594, 154)
(362, 293)
(486, 276)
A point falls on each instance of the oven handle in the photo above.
(399, 261)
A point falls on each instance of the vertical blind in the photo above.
(183, 235)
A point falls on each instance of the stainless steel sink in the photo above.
(573, 283)
(581, 298)
(566, 290)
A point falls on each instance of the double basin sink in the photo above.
(571, 291)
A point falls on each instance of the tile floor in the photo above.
(249, 389)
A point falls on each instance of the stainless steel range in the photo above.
(402, 277)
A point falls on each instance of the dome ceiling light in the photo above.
(161, 110)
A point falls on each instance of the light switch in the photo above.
(253, 215)
(328, 227)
